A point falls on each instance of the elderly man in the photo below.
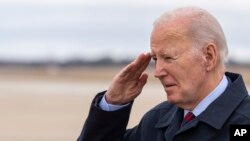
(189, 50)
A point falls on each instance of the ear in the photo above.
(211, 56)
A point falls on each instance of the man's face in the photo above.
(179, 67)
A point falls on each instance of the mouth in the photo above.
(169, 86)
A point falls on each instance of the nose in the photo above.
(160, 71)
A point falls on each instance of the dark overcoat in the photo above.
(162, 123)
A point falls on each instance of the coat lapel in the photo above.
(170, 123)
(188, 126)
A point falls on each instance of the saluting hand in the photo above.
(128, 83)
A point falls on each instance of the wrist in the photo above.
(114, 101)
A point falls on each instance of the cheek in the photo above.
(194, 71)
(194, 79)
(193, 83)
(191, 79)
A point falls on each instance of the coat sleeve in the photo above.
(105, 126)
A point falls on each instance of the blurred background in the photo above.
(55, 55)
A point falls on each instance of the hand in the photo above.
(128, 83)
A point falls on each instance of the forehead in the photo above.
(169, 42)
(171, 32)
(177, 27)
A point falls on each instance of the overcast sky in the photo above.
(63, 29)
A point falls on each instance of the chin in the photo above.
(171, 99)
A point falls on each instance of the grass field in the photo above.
(52, 104)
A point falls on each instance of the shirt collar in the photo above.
(210, 97)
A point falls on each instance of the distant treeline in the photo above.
(68, 63)
(80, 62)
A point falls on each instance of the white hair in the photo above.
(203, 28)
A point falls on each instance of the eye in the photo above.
(154, 58)
(168, 58)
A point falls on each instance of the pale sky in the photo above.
(224, 3)
(88, 29)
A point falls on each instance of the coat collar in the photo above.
(224, 106)
(175, 114)
(218, 112)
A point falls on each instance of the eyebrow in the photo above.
(160, 55)
(163, 53)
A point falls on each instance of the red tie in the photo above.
(189, 116)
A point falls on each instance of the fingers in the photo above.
(144, 62)
(142, 81)
(140, 64)
(136, 67)
(125, 72)
(128, 83)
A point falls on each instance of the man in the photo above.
(189, 50)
